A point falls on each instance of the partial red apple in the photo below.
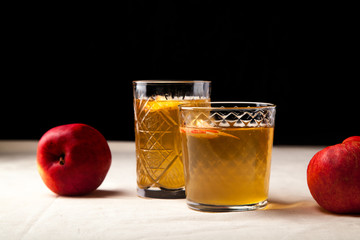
(73, 159)
(353, 138)
(333, 177)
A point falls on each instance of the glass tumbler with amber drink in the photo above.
(159, 162)
(227, 153)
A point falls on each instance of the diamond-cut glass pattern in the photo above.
(158, 144)
(238, 118)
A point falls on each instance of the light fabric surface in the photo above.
(28, 210)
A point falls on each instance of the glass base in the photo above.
(226, 208)
(161, 193)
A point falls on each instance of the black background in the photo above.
(64, 64)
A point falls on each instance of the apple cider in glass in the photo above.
(158, 143)
(229, 166)
(227, 154)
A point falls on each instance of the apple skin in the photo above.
(333, 177)
(73, 159)
(353, 138)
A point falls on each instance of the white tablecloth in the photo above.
(28, 210)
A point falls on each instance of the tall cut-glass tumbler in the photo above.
(159, 164)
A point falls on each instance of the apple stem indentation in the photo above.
(62, 159)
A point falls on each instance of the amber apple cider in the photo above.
(158, 144)
(227, 166)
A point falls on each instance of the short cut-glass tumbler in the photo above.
(227, 153)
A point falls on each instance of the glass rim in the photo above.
(256, 105)
(170, 81)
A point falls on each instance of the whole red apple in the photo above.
(333, 177)
(73, 159)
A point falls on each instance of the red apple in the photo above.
(333, 177)
(73, 159)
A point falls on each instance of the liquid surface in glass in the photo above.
(158, 144)
(227, 166)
